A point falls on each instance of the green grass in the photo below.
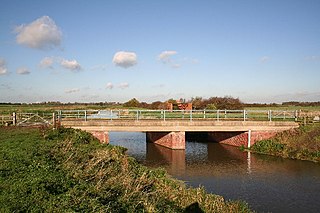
(302, 143)
(8, 109)
(289, 108)
(67, 170)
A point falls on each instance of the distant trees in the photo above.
(132, 103)
(226, 102)
(296, 103)
(198, 103)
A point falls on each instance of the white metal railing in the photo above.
(240, 115)
(34, 117)
(6, 119)
(161, 115)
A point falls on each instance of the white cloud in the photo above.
(159, 86)
(109, 85)
(125, 59)
(264, 59)
(3, 67)
(176, 66)
(72, 90)
(42, 33)
(46, 62)
(99, 67)
(165, 56)
(5, 87)
(23, 71)
(123, 85)
(72, 65)
(313, 58)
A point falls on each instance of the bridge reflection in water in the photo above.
(211, 159)
(175, 160)
(198, 159)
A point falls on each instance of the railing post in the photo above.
(204, 113)
(190, 115)
(54, 124)
(85, 115)
(59, 116)
(164, 115)
(296, 115)
(244, 115)
(270, 115)
(225, 113)
(111, 114)
(218, 114)
(137, 115)
(14, 119)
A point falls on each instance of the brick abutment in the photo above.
(177, 140)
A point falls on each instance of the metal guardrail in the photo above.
(239, 115)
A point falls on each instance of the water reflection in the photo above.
(173, 160)
(267, 183)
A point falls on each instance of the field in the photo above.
(7, 109)
(303, 108)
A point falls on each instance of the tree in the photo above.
(171, 100)
(132, 103)
(211, 107)
(197, 103)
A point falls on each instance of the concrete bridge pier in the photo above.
(172, 140)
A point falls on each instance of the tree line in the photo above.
(198, 103)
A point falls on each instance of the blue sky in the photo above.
(92, 51)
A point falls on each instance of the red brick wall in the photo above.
(172, 140)
(102, 136)
(240, 138)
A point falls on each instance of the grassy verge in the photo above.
(302, 143)
(68, 170)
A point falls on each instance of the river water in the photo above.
(266, 183)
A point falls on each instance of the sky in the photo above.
(111, 51)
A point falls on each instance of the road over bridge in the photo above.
(169, 128)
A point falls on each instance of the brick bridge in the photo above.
(170, 128)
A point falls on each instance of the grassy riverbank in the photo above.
(68, 170)
(302, 143)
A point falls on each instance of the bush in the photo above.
(268, 146)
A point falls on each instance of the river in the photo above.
(266, 183)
